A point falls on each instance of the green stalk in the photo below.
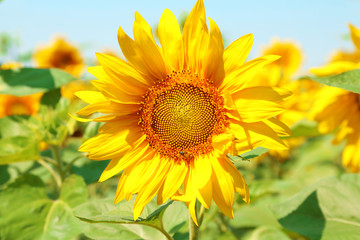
(55, 150)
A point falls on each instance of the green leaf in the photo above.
(348, 80)
(305, 128)
(27, 212)
(25, 81)
(101, 213)
(268, 233)
(249, 155)
(4, 174)
(326, 210)
(51, 98)
(19, 140)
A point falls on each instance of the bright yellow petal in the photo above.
(151, 56)
(355, 35)
(195, 37)
(213, 66)
(237, 52)
(236, 80)
(131, 156)
(152, 186)
(91, 96)
(171, 40)
(255, 132)
(334, 68)
(172, 182)
(273, 94)
(279, 127)
(238, 181)
(223, 188)
(201, 176)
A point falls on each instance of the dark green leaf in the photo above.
(25, 81)
(27, 212)
(348, 80)
(51, 98)
(326, 210)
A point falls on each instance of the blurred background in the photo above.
(317, 26)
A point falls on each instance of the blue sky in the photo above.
(317, 26)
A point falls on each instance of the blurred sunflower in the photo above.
(68, 91)
(60, 54)
(339, 109)
(280, 74)
(14, 105)
(173, 113)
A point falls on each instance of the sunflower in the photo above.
(68, 91)
(173, 113)
(14, 105)
(60, 54)
(339, 109)
(280, 74)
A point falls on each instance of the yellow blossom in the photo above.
(173, 113)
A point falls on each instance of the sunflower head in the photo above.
(173, 112)
(14, 105)
(60, 54)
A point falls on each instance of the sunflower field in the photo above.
(183, 134)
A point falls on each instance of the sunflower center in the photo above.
(18, 108)
(181, 114)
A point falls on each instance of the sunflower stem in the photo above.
(193, 228)
(52, 172)
(55, 150)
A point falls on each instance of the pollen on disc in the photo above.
(183, 117)
(181, 114)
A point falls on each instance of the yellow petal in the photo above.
(121, 73)
(334, 68)
(355, 35)
(133, 155)
(213, 66)
(223, 188)
(201, 176)
(152, 186)
(136, 176)
(171, 40)
(151, 56)
(279, 127)
(195, 37)
(273, 94)
(236, 80)
(91, 96)
(255, 132)
(257, 110)
(238, 181)
(133, 53)
(236, 53)
(172, 182)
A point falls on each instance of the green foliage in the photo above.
(35, 215)
(25, 81)
(249, 155)
(104, 214)
(19, 140)
(348, 80)
(305, 128)
(328, 209)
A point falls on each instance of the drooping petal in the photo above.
(131, 156)
(201, 176)
(150, 189)
(223, 188)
